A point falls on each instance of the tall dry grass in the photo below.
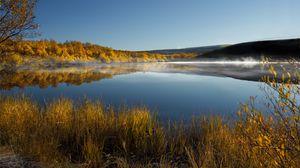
(64, 134)
(86, 134)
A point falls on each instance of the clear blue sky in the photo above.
(158, 24)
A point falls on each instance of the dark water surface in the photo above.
(174, 91)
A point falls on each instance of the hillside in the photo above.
(198, 50)
(273, 49)
(20, 51)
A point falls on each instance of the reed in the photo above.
(90, 135)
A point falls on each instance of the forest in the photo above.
(17, 52)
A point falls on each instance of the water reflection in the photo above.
(175, 90)
(28, 76)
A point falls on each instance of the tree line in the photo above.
(72, 50)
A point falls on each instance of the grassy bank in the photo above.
(65, 134)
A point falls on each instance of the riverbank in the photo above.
(64, 133)
(9, 159)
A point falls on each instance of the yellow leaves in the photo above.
(282, 77)
(288, 94)
(260, 140)
(260, 118)
(281, 150)
(77, 51)
(263, 140)
(267, 140)
(246, 109)
(298, 148)
(250, 120)
(271, 119)
(294, 133)
(239, 125)
(276, 163)
(282, 153)
(273, 71)
(280, 89)
(289, 75)
(296, 118)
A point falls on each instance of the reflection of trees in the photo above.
(75, 75)
(94, 72)
(10, 79)
(71, 75)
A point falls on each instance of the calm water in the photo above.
(174, 91)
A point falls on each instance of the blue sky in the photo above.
(158, 24)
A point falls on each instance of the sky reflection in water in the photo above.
(174, 92)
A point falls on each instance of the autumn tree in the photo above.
(72, 50)
(16, 18)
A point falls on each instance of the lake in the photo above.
(172, 90)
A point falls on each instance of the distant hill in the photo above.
(198, 50)
(273, 49)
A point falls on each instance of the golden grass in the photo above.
(64, 134)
